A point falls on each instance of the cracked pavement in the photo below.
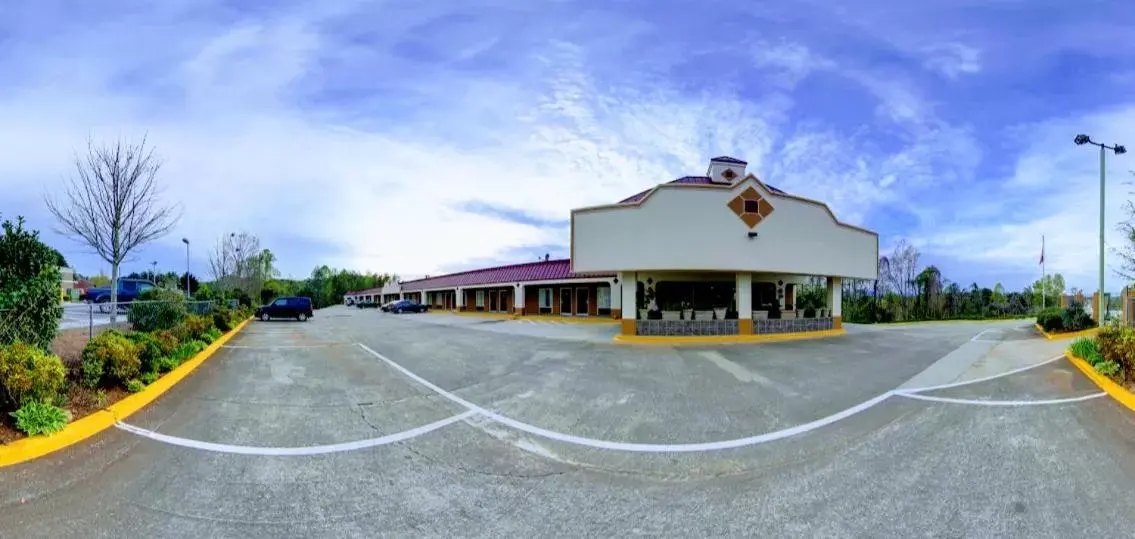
(900, 468)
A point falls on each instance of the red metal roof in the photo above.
(551, 270)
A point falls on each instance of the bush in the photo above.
(196, 326)
(149, 377)
(1075, 318)
(149, 349)
(809, 312)
(1107, 367)
(29, 374)
(135, 385)
(165, 364)
(1050, 320)
(110, 357)
(37, 417)
(30, 309)
(1117, 343)
(167, 341)
(1086, 349)
(157, 309)
(222, 319)
(187, 350)
(211, 336)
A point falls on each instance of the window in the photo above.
(751, 206)
(480, 298)
(142, 287)
(281, 302)
(603, 297)
(545, 298)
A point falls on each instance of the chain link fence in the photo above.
(96, 317)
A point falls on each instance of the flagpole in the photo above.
(1043, 275)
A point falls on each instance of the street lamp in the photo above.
(1081, 140)
(186, 242)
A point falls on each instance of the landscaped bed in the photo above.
(42, 391)
(1055, 322)
(1111, 353)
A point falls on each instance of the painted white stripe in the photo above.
(998, 403)
(983, 379)
(285, 347)
(295, 451)
(977, 337)
(633, 447)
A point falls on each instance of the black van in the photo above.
(286, 307)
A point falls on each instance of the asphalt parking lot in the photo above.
(363, 424)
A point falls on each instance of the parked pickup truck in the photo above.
(128, 290)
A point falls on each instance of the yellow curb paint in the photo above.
(1060, 336)
(34, 447)
(571, 319)
(1116, 391)
(724, 339)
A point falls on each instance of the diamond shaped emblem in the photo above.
(750, 207)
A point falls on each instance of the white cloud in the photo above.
(953, 59)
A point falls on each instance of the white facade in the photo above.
(680, 227)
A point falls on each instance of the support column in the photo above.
(460, 299)
(518, 300)
(629, 288)
(744, 303)
(616, 297)
(835, 301)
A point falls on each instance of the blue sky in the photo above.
(420, 137)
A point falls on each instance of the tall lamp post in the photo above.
(186, 242)
(1081, 140)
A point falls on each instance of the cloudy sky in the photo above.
(417, 137)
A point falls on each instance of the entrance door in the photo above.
(505, 301)
(581, 297)
(493, 301)
(565, 301)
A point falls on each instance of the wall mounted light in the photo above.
(616, 280)
(752, 235)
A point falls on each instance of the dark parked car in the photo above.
(407, 306)
(366, 305)
(128, 290)
(386, 306)
(286, 307)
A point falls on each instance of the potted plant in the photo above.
(774, 311)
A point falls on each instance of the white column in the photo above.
(616, 293)
(460, 298)
(629, 288)
(518, 299)
(835, 296)
(745, 296)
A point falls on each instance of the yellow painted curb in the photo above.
(1113, 389)
(1060, 336)
(37, 446)
(725, 339)
(570, 319)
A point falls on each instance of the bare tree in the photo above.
(238, 262)
(1127, 251)
(111, 204)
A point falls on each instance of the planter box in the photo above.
(760, 315)
(670, 315)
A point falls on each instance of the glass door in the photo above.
(565, 301)
(493, 301)
(505, 300)
(581, 297)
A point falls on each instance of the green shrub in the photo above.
(149, 349)
(1116, 343)
(1051, 320)
(196, 326)
(222, 319)
(149, 377)
(211, 336)
(165, 364)
(187, 350)
(108, 358)
(1107, 368)
(1075, 318)
(157, 309)
(167, 341)
(28, 373)
(30, 309)
(1084, 347)
(36, 417)
(135, 385)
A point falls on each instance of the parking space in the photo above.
(362, 424)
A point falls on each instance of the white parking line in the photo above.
(998, 403)
(295, 451)
(693, 447)
(982, 379)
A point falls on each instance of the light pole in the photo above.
(1081, 140)
(186, 242)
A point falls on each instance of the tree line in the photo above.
(906, 291)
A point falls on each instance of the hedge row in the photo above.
(34, 382)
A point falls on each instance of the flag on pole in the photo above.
(1042, 250)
